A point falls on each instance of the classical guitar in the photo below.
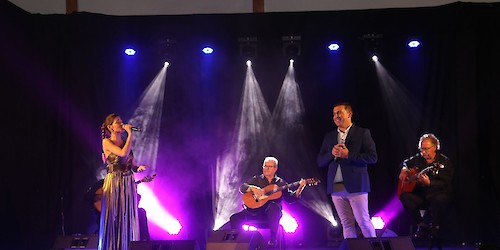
(98, 192)
(271, 192)
(409, 184)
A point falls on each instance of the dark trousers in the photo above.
(143, 224)
(270, 214)
(437, 204)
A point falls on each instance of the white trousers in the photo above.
(351, 208)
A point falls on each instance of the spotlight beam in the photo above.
(404, 108)
(248, 136)
(290, 138)
(147, 115)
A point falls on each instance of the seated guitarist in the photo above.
(426, 183)
(266, 209)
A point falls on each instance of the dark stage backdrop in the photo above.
(62, 74)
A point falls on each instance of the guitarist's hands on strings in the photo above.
(422, 178)
(257, 191)
(302, 185)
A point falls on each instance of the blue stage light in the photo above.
(413, 44)
(207, 50)
(334, 47)
(130, 52)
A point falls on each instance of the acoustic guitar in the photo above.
(272, 192)
(408, 185)
(98, 192)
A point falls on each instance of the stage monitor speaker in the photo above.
(76, 241)
(164, 245)
(382, 243)
(235, 240)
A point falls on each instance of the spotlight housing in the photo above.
(413, 44)
(333, 47)
(248, 47)
(129, 51)
(373, 44)
(291, 46)
(207, 50)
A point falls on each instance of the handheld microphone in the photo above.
(134, 128)
(342, 141)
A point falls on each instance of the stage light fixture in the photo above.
(207, 50)
(377, 222)
(333, 46)
(248, 47)
(413, 44)
(166, 48)
(129, 51)
(166, 64)
(249, 63)
(291, 46)
(288, 222)
(373, 45)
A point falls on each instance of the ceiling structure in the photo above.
(186, 7)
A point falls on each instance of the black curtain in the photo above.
(62, 74)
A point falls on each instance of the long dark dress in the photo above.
(119, 219)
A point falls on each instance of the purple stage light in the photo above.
(156, 213)
(390, 211)
(289, 223)
(377, 222)
(249, 228)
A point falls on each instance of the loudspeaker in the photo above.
(236, 240)
(383, 243)
(164, 245)
(76, 241)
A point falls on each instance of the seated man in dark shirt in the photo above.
(425, 182)
(260, 204)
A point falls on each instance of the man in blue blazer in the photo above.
(346, 152)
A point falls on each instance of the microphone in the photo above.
(134, 128)
(342, 141)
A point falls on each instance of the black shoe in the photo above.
(422, 231)
(272, 243)
(434, 232)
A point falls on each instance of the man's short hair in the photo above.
(434, 140)
(270, 158)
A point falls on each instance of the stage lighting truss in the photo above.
(166, 48)
(248, 47)
(373, 44)
(291, 46)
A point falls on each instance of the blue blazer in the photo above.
(362, 151)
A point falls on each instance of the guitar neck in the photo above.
(284, 187)
(425, 170)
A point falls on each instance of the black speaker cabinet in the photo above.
(76, 242)
(382, 243)
(236, 240)
(164, 245)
